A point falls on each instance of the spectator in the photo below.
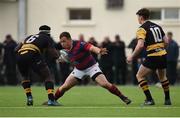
(9, 61)
(172, 58)
(135, 67)
(106, 60)
(119, 61)
(81, 37)
(94, 42)
(2, 80)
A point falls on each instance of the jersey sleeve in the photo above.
(85, 46)
(141, 33)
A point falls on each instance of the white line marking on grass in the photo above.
(89, 107)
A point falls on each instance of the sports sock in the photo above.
(165, 86)
(49, 85)
(143, 84)
(58, 94)
(27, 87)
(114, 90)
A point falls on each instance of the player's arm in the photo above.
(51, 50)
(138, 48)
(53, 53)
(141, 35)
(97, 50)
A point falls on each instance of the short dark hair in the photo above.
(169, 33)
(144, 12)
(117, 36)
(65, 34)
(44, 28)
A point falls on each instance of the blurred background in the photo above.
(104, 23)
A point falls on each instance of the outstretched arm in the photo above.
(101, 51)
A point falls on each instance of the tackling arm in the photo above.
(97, 50)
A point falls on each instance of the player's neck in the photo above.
(143, 21)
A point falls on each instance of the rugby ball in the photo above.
(64, 55)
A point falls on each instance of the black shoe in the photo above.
(149, 102)
(29, 101)
(167, 102)
(126, 100)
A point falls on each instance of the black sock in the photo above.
(143, 84)
(50, 89)
(27, 87)
(165, 86)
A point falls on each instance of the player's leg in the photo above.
(49, 84)
(26, 84)
(27, 87)
(96, 74)
(69, 83)
(40, 67)
(165, 85)
(102, 81)
(141, 74)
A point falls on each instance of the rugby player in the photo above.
(152, 37)
(84, 64)
(30, 57)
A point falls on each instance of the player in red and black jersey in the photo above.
(30, 57)
(151, 37)
(84, 64)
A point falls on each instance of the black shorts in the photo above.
(155, 62)
(30, 61)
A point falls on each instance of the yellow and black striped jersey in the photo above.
(153, 35)
(37, 43)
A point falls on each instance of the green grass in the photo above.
(88, 101)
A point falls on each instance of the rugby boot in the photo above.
(29, 101)
(126, 100)
(167, 102)
(149, 102)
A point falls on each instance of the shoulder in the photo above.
(146, 25)
(175, 42)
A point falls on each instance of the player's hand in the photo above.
(103, 51)
(60, 60)
(129, 59)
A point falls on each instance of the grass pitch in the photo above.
(88, 101)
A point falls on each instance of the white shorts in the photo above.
(91, 71)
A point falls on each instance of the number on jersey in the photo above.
(32, 38)
(156, 34)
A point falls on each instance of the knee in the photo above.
(138, 76)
